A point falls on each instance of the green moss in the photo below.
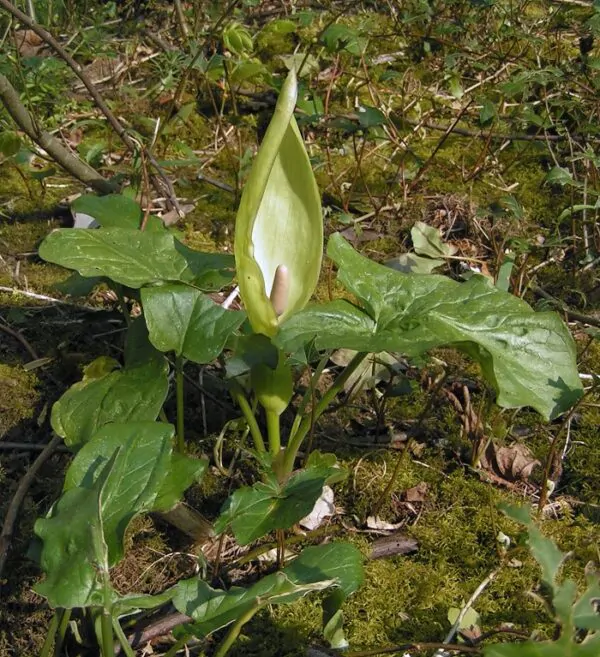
(18, 397)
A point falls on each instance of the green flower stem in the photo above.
(240, 398)
(179, 395)
(309, 394)
(291, 451)
(127, 649)
(235, 630)
(273, 432)
(62, 631)
(51, 633)
(107, 633)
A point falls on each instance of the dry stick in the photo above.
(72, 164)
(571, 314)
(440, 143)
(17, 500)
(463, 612)
(414, 646)
(19, 336)
(94, 93)
(30, 447)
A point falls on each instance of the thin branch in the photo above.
(72, 164)
(95, 94)
(15, 505)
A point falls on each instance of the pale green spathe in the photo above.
(279, 221)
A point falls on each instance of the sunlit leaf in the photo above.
(528, 357)
(255, 511)
(182, 319)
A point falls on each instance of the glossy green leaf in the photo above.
(115, 211)
(528, 357)
(74, 553)
(136, 602)
(255, 511)
(428, 242)
(136, 478)
(317, 568)
(210, 271)
(279, 222)
(182, 319)
(130, 394)
(130, 257)
(183, 471)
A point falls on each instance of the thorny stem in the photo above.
(235, 630)
(180, 407)
(293, 446)
(238, 396)
(402, 460)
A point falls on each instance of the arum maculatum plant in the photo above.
(128, 459)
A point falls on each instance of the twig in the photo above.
(30, 447)
(414, 646)
(463, 612)
(17, 500)
(158, 628)
(94, 93)
(19, 336)
(44, 297)
(571, 314)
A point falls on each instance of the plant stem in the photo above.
(402, 460)
(293, 446)
(62, 631)
(240, 398)
(234, 632)
(50, 634)
(107, 633)
(554, 444)
(127, 649)
(309, 394)
(179, 396)
(273, 432)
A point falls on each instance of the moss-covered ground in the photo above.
(485, 194)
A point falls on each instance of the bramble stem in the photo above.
(273, 432)
(291, 451)
(180, 407)
(234, 632)
(240, 398)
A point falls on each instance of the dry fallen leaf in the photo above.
(417, 493)
(514, 463)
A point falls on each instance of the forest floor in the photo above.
(480, 121)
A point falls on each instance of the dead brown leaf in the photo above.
(514, 463)
(417, 493)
